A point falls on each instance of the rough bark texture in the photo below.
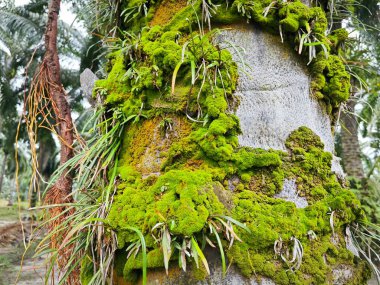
(350, 143)
(266, 111)
(62, 108)
(60, 192)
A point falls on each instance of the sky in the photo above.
(65, 15)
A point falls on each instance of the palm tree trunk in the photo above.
(63, 112)
(2, 173)
(60, 192)
(350, 143)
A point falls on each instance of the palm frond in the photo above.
(15, 22)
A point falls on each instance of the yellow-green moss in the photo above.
(133, 265)
(183, 199)
(114, 85)
(332, 82)
(270, 219)
(166, 11)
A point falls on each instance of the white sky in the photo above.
(65, 15)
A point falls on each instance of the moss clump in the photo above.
(310, 165)
(294, 15)
(134, 265)
(247, 158)
(303, 139)
(220, 138)
(216, 103)
(183, 199)
(270, 219)
(332, 82)
(337, 38)
(114, 85)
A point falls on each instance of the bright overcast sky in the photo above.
(65, 15)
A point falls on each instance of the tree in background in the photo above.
(21, 32)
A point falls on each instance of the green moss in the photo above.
(294, 16)
(247, 158)
(226, 15)
(183, 199)
(270, 219)
(133, 266)
(303, 139)
(86, 270)
(267, 180)
(337, 38)
(246, 177)
(160, 49)
(219, 139)
(310, 165)
(199, 273)
(114, 85)
(216, 103)
(320, 20)
(336, 83)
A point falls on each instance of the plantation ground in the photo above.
(12, 248)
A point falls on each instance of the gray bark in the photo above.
(2, 173)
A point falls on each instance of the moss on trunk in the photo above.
(180, 162)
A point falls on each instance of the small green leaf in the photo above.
(175, 75)
(199, 252)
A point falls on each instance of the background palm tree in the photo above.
(21, 37)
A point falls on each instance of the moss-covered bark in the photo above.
(181, 167)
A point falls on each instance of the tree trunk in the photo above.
(350, 142)
(62, 109)
(60, 192)
(2, 173)
(223, 152)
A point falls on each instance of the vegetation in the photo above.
(158, 171)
